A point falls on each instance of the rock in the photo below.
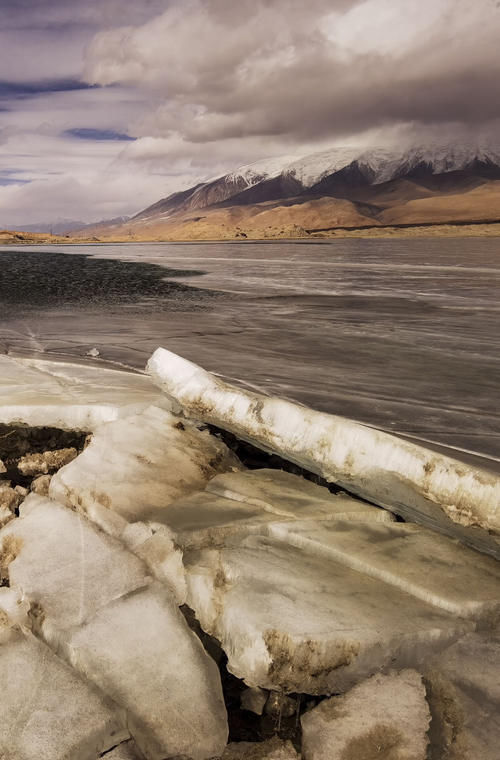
(386, 716)
(68, 396)
(273, 749)
(9, 501)
(49, 461)
(21, 491)
(41, 485)
(280, 706)
(463, 688)
(9, 498)
(2, 467)
(65, 566)
(9, 549)
(48, 712)
(5, 515)
(254, 700)
(421, 485)
(140, 651)
(422, 563)
(292, 621)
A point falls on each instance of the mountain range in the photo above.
(341, 188)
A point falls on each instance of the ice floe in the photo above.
(307, 591)
(48, 711)
(419, 484)
(294, 621)
(42, 393)
(387, 716)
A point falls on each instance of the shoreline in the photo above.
(424, 230)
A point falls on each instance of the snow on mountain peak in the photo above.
(377, 164)
(266, 168)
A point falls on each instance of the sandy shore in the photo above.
(417, 231)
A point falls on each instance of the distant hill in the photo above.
(333, 189)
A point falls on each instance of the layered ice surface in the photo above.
(307, 590)
(48, 711)
(290, 620)
(418, 484)
(386, 713)
(68, 396)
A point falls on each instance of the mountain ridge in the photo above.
(349, 187)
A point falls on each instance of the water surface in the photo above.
(401, 334)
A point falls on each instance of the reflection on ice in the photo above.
(402, 335)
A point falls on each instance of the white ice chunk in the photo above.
(272, 749)
(68, 396)
(13, 613)
(157, 546)
(138, 465)
(125, 751)
(464, 696)
(431, 567)
(47, 711)
(386, 716)
(14, 607)
(289, 496)
(421, 485)
(140, 651)
(131, 471)
(241, 503)
(65, 566)
(294, 621)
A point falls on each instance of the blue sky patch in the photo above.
(84, 133)
(14, 90)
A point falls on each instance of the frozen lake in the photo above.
(401, 334)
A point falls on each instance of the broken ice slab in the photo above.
(240, 503)
(386, 716)
(419, 484)
(48, 711)
(42, 393)
(272, 749)
(125, 751)
(136, 466)
(437, 569)
(140, 651)
(463, 690)
(285, 495)
(131, 471)
(294, 621)
(65, 566)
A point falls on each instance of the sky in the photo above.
(108, 105)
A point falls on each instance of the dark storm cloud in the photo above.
(86, 133)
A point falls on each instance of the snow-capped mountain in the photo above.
(382, 165)
(331, 172)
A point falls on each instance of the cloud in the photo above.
(206, 85)
(224, 70)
